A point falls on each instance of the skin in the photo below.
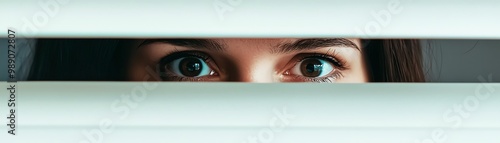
(255, 60)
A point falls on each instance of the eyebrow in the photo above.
(207, 44)
(314, 43)
(299, 45)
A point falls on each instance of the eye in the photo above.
(313, 67)
(187, 66)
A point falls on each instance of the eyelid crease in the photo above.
(310, 44)
(207, 44)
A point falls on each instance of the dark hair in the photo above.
(392, 60)
(80, 60)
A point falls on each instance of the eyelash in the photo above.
(340, 66)
(339, 63)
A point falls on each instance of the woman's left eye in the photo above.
(313, 67)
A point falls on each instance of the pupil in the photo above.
(190, 66)
(311, 67)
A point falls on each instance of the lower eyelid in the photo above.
(334, 77)
(193, 79)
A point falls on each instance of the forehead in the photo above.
(246, 45)
(259, 42)
(264, 42)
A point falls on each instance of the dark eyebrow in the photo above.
(310, 44)
(207, 44)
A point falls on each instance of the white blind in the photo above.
(240, 112)
(254, 18)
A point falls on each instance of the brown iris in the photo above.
(311, 67)
(190, 66)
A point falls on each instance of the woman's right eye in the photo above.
(186, 66)
(189, 67)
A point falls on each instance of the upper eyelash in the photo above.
(342, 63)
(182, 54)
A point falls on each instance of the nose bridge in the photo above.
(253, 70)
(257, 74)
(251, 61)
